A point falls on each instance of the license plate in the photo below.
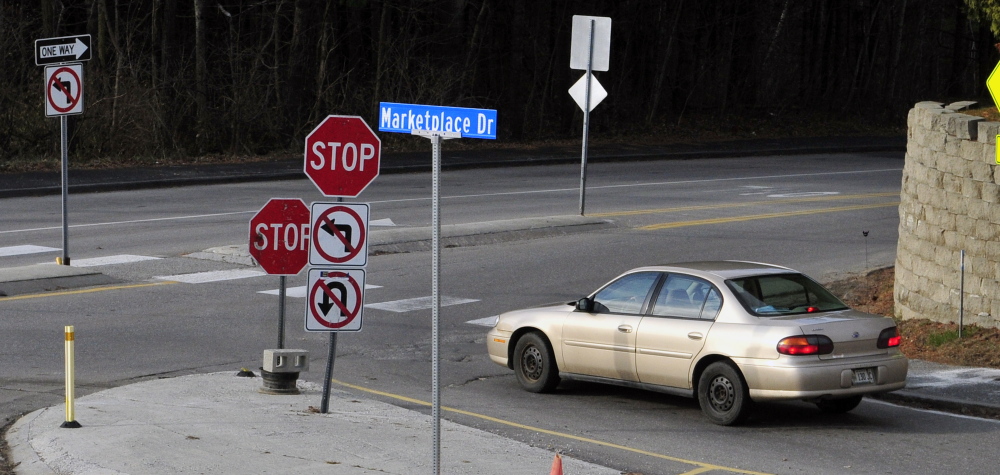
(863, 376)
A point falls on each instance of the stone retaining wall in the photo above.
(950, 201)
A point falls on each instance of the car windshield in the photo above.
(783, 294)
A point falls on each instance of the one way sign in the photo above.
(63, 49)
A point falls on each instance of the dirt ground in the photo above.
(922, 339)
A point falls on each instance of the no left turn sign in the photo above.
(63, 90)
(335, 299)
(340, 234)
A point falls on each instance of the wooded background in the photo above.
(194, 77)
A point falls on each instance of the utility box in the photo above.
(286, 361)
(281, 370)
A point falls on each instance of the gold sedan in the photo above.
(727, 333)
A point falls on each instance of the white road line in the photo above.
(211, 276)
(419, 303)
(111, 260)
(299, 292)
(381, 222)
(654, 183)
(26, 249)
(485, 322)
(484, 195)
(134, 221)
(933, 411)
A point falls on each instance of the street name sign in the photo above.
(408, 118)
(64, 49)
(340, 234)
(279, 236)
(342, 156)
(63, 90)
(335, 299)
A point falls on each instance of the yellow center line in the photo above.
(809, 199)
(703, 467)
(736, 219)
(85, 291)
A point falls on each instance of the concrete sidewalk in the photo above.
(220, 423)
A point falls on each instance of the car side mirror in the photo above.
(585, 305)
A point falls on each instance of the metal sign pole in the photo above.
(331, 357)
(436, 298)
(961, 295)
(586, 122)
(435, 138)
(64, 142)
(281, 312)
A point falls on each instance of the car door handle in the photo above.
(695, 336)
(625, 328)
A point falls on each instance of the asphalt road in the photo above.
(808, 212)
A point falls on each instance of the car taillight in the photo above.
(889, 338)
(805, 345)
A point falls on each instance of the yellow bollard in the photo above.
(71, 422)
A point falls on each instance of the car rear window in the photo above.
(783, 294)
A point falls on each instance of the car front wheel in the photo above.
(838, 406)
(722, 394)
(534, 364)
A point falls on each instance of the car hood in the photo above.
(535, 316)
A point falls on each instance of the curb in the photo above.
(940, 403)
(18, 438)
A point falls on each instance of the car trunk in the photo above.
(854, 334)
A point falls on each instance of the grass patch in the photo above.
(937, 339)
(989, 113)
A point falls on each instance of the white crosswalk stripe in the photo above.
(299, 292)
(111, 260)
(419, 303)
(211, 276)
(25, 249)
(485, 322)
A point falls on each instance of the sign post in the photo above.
(590, 51)
(342, 157)
(436, 123)
(279, 242)
(63, 96)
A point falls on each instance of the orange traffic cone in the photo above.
(556, 466)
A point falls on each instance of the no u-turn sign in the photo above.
(335, 299)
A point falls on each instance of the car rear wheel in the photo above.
(722, 394)
(838, 406)
(534, 364)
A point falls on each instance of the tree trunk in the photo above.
(661, 74)
(48, 18)
(167, 42)
(200, 75)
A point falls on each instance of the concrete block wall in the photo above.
(950, 201)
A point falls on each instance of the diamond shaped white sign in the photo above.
(579, 92)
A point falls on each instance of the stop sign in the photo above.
(279, 236)
(342, 156)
